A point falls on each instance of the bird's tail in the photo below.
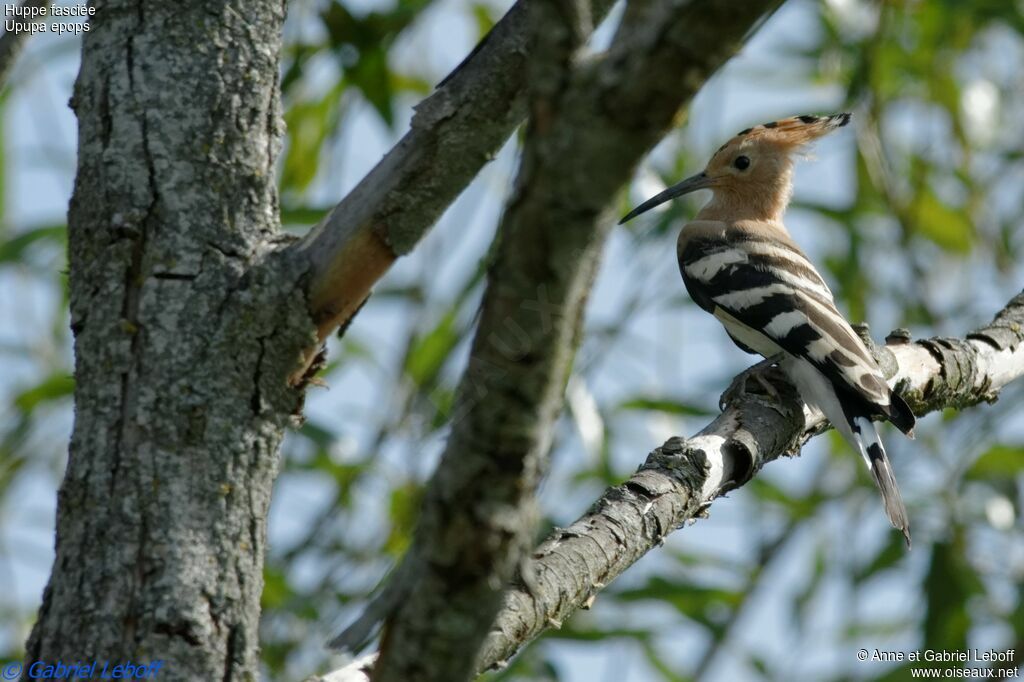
(870, 445)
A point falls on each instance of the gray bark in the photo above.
(590, 125)
(185, 331)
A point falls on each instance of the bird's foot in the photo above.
(758, 373)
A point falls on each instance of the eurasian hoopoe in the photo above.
(740, 264)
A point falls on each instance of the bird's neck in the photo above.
(761, 201)
(734, 206)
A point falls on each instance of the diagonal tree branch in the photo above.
(682, 477)
(12, 43)
(589, 127)
(454, 133)
(470, 536)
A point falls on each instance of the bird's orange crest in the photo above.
(751, 175)
(788, 133)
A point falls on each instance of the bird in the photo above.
(739, 263)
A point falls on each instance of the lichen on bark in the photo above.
(186, 324)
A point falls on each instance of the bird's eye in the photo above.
(741, 162)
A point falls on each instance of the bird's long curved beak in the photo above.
(690, 184)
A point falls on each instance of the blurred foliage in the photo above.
(358, 47)
(801, 559)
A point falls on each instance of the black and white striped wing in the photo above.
(771, 299)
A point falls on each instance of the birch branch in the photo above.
(681, 478)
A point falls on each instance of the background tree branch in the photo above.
(476, 519)
(589, 128)
(454, 132)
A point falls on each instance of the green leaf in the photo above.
(403, 510)
(373, 78)
(443, 400)
(798, 507)
(309, 125)
(429, 353)
(298, 214)
(321, 436)
(667, 405)
(54, 387)
(948, 227)
(402, 82)
(802, 598)
(482, 15)
(891, 553)
(362, 45)
(999, 462)
(704, 605)
(949, 586)
(12, 250)
(760, 665)
(656, 661)
(880, 630)
(277, 591)
(294, 57)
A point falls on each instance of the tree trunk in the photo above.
(184, 333)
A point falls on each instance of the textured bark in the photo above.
(681, 478)
(454, 133)
(185, 332)
(591, 123)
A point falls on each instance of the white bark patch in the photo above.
(1002, 366)
(917, 365)
(711, 446)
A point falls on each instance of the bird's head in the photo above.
(751, 174)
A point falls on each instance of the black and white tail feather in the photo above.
(869, 443)
(851, 415)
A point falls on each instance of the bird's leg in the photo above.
(738, 388)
